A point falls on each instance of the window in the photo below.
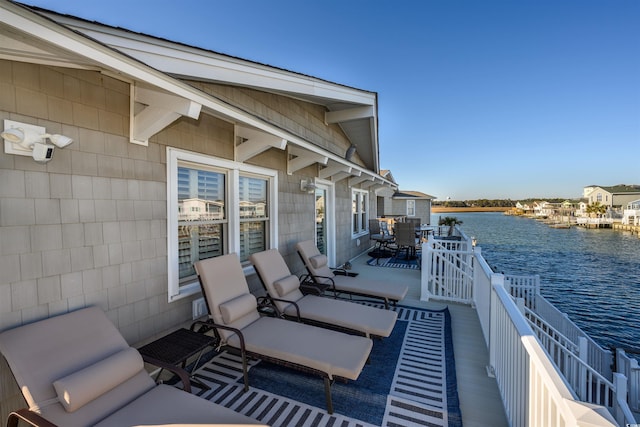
(599, 197)
(360, 214)
(215, 207)
(411, 208)
(254, 218)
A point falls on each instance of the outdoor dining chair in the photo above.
(406, 239)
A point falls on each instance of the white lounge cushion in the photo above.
(286, 285)
(392, 290)
(168, 406)
(332, 352)
(346, 314)
(238, 307)
(318, 261)
(76, 390)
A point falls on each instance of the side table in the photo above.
(174, 349)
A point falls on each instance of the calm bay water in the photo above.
(591, 275)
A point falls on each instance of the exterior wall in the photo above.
(423, 209)
(617, 200)
(607, 198)
(398, 207)
(90, 226)
(621, 201)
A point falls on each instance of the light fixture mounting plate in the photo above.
(29, 132)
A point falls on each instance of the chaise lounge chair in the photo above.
(235, 318)
(284, 290)
(316, 264)
(76, 369)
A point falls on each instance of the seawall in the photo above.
(444, 209)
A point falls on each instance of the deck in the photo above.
(480, 400)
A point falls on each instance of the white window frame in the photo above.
(411, 208)
(362, 229)
(234, 170)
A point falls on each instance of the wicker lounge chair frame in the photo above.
(324, 280)
(95, 377)
(209, 325)
(271, 268)
(245, 354)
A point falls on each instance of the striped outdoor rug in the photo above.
(422, 391)
(413, 264)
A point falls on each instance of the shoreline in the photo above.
(443, 209)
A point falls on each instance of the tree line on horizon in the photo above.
(491, 203)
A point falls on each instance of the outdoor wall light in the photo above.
(307, 186)
(30, 140)
(350, 152)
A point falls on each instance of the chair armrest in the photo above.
(333, 283)
(332, 286)
(243, 350)
(28, 417)
(184, 375)
(288, 302)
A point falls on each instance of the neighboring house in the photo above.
(581, 211)
(543, 209)
(412, 204)
(524, 208)
(615, 197)
(179, 153)
(403, 203)
(586, 191)
(631, 215)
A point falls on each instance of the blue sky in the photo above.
(477, 99)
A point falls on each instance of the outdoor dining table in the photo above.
(424, 230)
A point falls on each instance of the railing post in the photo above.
(620, 386)
(633, 385)
(583, 346)
(497, 280)
(426, 273)
(521, 305)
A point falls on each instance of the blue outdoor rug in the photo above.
(364, 399)
(396, 262)
(410, 380)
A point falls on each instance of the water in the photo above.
(592, 275)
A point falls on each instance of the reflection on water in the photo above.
(592, 275)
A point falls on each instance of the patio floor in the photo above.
(480, 400)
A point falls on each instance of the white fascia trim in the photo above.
(29, 22)
(200, 64)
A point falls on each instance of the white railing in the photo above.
(570, 359)
(593, 221)
(628, 367)
(544, 366)
(447, 271)
(525, 287)
(482, 291)
(551, 339)
(528, 288)
(533, 392)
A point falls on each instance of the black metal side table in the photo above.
(176, 348)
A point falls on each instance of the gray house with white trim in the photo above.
(178, 154)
